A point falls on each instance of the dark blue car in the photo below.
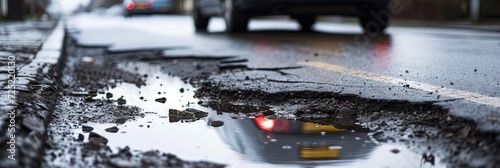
(374, 14)
(132, 7)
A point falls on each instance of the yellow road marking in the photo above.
(459, 94)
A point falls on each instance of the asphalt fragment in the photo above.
(112, 129)
(161, 100)
(87, 128)
(216, 123)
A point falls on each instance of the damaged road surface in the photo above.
(169, 97)
(134, 114)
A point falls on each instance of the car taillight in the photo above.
(263, 123)
(277, 125)
(131, 6)
(150, 4)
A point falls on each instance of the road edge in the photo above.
(36, 96)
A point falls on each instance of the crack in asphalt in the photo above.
(278, 70)
(324, 83)
(233, 61)
(118, 51)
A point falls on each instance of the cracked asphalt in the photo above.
(421, 87)
(457, 59)
(149, 91)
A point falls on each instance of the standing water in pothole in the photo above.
(234, 138)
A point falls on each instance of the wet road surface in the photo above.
(409, 78)
(462, 60)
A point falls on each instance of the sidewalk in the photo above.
(19, 43)
(27, 50)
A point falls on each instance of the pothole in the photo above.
(237, 135)
(154, 120)
(427, 130)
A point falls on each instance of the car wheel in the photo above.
(200, 21)
(306, 22)
(236, 21)
(375, 21)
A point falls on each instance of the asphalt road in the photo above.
(274, 96)
(457, 68)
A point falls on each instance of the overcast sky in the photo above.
(66, 6)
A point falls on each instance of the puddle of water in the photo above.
(254, 141)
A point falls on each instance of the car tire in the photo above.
(200, 21)
(375, 21)
(236, 21)
(306, 22)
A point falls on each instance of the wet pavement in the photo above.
(256, 99)
(149, 91)
(160, 112)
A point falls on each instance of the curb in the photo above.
(36, 91)
(49, 54)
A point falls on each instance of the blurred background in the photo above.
(416, 10)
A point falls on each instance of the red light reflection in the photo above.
(277, 125)
(263, 123)
(131, 6)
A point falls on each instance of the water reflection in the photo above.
(281, 141)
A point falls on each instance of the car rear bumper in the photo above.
(163, 10)
(308, 7)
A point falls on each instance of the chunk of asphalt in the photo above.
(97, 139)
(197, 113)
(112, 129)
(161, 100)
(203, 103)
(216, 123)
(121, 101)
(177, 115)
(87, 128)
(109, 95)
